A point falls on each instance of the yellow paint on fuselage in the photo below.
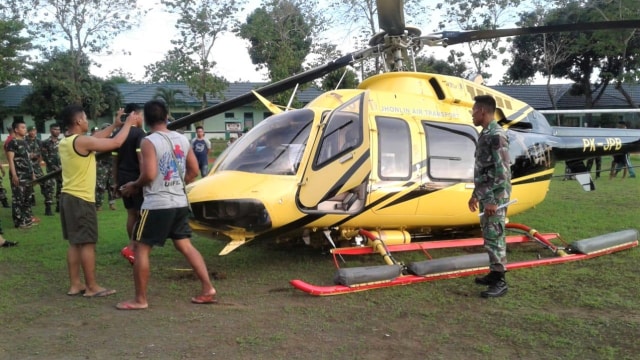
(407, 96)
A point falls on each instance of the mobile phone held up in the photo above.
(123, 117)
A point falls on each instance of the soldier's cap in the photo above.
(31, 128)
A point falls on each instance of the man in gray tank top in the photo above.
(168, 163)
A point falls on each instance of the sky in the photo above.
(148, 43)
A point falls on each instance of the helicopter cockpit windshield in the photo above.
(274, 146)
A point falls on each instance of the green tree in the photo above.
(478, 15)
(343, 79)
(12, 51)
(340, 79)
(430, 64)
(176, 66)
(120, 76)
(82, 28)
(539, 54)
(200, 24)
(169, 96)
(581, 56)
(57, 83)
(280, 37)
(361, 19)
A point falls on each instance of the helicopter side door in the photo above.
(335, 176)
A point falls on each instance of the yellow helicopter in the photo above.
(388, 163)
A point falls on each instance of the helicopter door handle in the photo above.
(346, 158)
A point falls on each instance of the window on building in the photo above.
(266, 114)
(179, 115)
(229, 115)
(248, 120)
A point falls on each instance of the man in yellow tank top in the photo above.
(77, 201)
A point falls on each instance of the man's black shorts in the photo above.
(156, 226)
(133, 202)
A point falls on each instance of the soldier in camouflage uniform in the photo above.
(50, 156)
(104, 180)
(34, 145)
(22, 174)
(3, 191)
(492, 180)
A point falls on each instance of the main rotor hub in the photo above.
(394, 47)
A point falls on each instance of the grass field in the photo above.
(581, 310)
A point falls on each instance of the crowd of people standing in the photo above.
(127, 167)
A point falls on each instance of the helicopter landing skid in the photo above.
(350, 280)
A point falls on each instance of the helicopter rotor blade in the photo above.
(445, 38)
(249, 97)
(391, 16)
(271, 89)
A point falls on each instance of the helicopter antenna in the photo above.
(341, 78)
(413, 59)
(292, 95)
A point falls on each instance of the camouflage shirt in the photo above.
(50, 155)
(492, 172)
(21, 160)
(33, 146)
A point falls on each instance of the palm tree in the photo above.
(169, 96)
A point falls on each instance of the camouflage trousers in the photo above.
(493, 232)
(53, 189)
(3, 191)
(45, 187)
(105, 185)
(21, 203)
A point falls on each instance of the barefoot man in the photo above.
(168, 163)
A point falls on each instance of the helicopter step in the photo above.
(349, 280)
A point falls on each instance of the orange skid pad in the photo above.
(410, 279)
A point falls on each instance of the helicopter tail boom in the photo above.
(582, 143)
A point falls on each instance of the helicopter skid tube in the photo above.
(597, 246)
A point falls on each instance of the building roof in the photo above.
(538, 96)
(11, 96)
(535, 95)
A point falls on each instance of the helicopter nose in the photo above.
(248, 214)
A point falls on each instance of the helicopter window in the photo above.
(394, 146)
(451, 150)
(274, 146)
(343, 132)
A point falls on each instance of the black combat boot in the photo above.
(5, 203)
(488, 279)
(47, 210)
(496, 289)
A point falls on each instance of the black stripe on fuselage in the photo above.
(294, 225)
(347, 175)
